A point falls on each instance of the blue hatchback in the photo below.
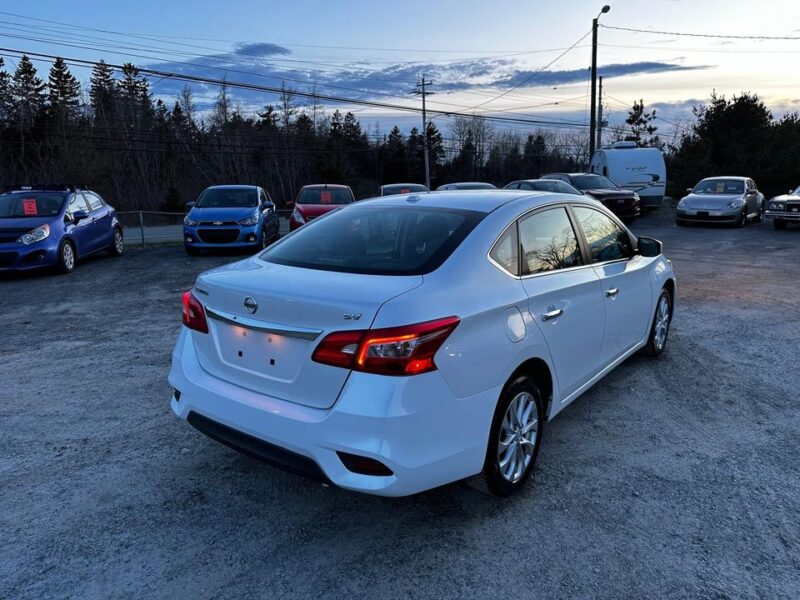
(54, 226)
(230, 216)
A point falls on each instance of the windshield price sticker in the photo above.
(325, 197)
(29, 206)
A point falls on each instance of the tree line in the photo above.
(142, 153)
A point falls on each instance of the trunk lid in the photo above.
(268, 350)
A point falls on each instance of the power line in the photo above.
(535, 73)
(276, 90)
(705, 35)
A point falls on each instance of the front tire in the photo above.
(779, 224)
(514, 438)
(117, 246)
(66, 257)
(743, 219)
(659, 331)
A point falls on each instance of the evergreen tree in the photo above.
(102, 91)
(641, 124)
(533, 155)
(64, 91)
(435, 147)
(28, 93)
(6, 96)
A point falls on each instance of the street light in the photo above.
(593, 115)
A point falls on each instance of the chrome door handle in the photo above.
(612, 292)
(552, 314)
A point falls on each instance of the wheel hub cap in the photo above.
(518, 433)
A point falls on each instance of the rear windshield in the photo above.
(377, 240)
(227, 198)
(403, 188)
(719, 186)
(592, 182)
(325, 196)
(31, 204)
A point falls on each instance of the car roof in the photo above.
(724, 177)
(569, 174)
(478, 200)
(326, 185)
(401, 184)
(233, 186)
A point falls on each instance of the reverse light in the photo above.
(251, 220)
(407, 350)
(37, 235)
(194, 315)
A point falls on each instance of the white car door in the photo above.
(625, 282)
(564, 296)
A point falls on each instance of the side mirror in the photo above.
(648, 246)
(190, 205)
(79, 215)
(688, 190)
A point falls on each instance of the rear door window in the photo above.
(505, 251)
(379, 240)
(548, 242)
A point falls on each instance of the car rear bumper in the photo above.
(783, 215)
(21, 257)
(413, 425)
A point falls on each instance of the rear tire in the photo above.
(779, 224)
(659, 331)
(117, 246)
(514, 438)
(66, 257)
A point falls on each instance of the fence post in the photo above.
(141, 227)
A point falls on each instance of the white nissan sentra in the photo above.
(401, 343)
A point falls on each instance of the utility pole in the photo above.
(421, 90)
(593, 114)
(600, 114)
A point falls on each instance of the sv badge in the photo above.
(352, 316)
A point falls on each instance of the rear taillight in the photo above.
(194, 315)
(406, 350)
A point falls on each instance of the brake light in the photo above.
(407, 350)
(194, 315)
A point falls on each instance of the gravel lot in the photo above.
(676, 477)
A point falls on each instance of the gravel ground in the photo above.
(672, 478)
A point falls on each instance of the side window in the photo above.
(606, 239)
(513, 186)
(505, 251)
(95, 203)
(76, 203)
(525, 186)
(548, 242)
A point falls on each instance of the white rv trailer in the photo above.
(641, 170)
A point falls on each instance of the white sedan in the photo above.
(402, 343)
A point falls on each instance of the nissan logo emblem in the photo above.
(250, 304)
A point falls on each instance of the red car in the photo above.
(316, 200)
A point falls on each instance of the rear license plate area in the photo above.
(265, 354)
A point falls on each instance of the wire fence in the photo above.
(142, 227)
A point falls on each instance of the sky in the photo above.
(502, 57)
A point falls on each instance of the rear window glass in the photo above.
(30, 204)
(378, 240)
(228, 198)
(407, 188)
(325, 196)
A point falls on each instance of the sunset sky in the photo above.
(473, 50)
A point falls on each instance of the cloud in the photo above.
(261, 49)
(582, 75)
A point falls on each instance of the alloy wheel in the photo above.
(118, 242)
(662, 323)
(518, 433)
(68, 256)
